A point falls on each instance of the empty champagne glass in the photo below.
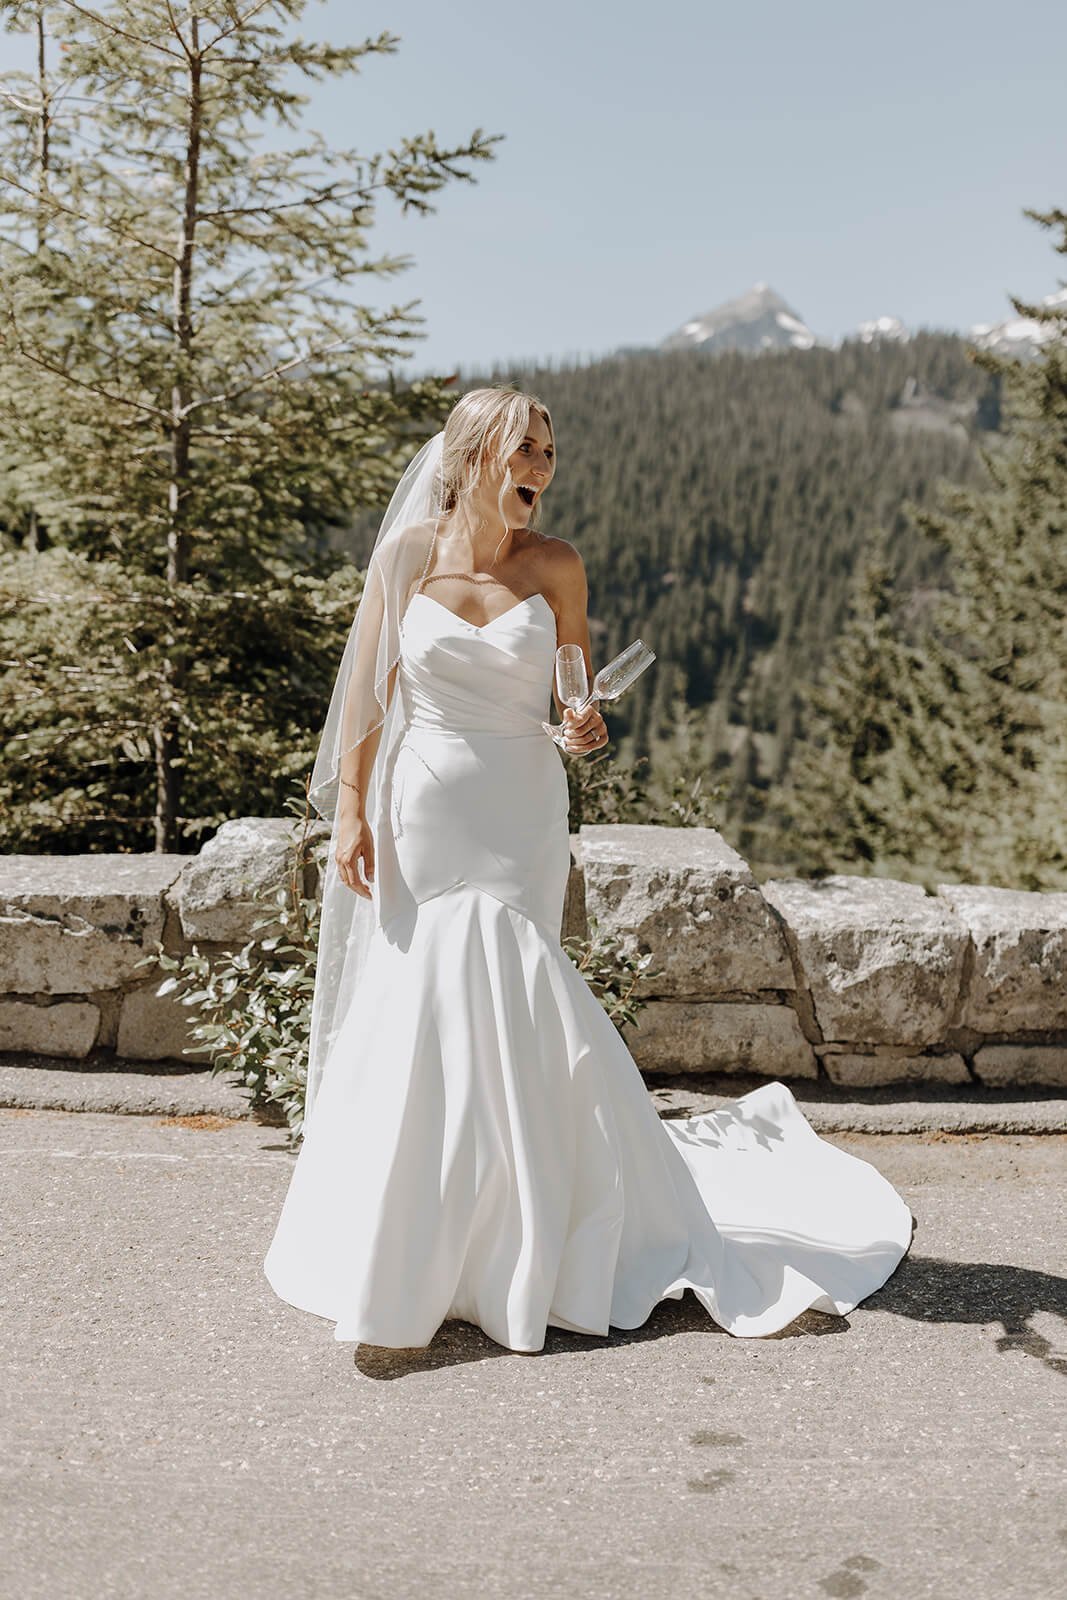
(613, 679)
(572, 679)
(572, 683)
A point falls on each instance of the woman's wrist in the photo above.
(350, 799)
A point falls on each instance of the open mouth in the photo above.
(526, 494)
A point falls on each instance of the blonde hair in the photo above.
(486, 423)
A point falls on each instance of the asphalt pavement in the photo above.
(171, 1428)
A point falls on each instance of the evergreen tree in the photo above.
(721, 503)
(938, 742)
(877, 725)
(189, 395)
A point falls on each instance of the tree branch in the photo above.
(271, 208)
(92, 388)
(29, 106)
(264, 377)
(102, 222)
(176, 30)
(238, 22)
(111, 27)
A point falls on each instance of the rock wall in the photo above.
(862, 980)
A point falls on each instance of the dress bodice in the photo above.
(455, 677)
(474, 791)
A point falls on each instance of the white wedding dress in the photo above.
(483, 1145)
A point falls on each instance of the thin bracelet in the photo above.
(347, 784)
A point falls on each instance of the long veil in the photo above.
(358, 706)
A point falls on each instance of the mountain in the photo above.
(882, 328)
(761, 320)
(757, 320)
(1017, 336)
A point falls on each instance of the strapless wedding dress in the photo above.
(483, 1145)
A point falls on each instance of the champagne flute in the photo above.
(613, 679)
(572, 679)
(572, 683)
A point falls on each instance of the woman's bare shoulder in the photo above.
(418, 530)
(558, 555)
(562, 569)
(406, 536)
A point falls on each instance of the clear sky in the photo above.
(863, 159)
(658, 159)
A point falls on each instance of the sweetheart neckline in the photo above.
(485, 626)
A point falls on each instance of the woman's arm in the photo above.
(355, 839)
(588, 732)
(357, 765)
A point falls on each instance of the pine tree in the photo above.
(938, 741)
(190, 395)
(877, 725)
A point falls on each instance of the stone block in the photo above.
(683, 1036)
(75, 924)
(574, 923)
(867, 1072)
(1019, 982)
(883, 960)
(685, 896)
(1011, 1065)
(234, 879)
(66, 1028)
(155, 1027)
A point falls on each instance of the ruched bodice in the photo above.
(455, 677)
(476, 792)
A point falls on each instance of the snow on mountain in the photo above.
(887, 328)
(761, 320)
(757, 320)
(1017, 336)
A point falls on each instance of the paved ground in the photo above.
(172, 1429)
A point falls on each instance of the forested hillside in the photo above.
(720, 503)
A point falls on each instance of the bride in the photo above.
(478, 1142)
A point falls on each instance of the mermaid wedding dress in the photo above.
(483, 1146)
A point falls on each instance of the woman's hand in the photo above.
(355, 842)
(585, 733)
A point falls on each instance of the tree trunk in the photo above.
(43, 129)
(166, 736)
(34, 538)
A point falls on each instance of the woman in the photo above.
(479, 1142)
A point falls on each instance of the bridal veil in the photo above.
(359, 705)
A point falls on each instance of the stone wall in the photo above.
(862, 980)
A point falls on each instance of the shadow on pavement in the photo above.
(922, 1288)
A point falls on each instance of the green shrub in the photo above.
(253, 1005)
(611, 972)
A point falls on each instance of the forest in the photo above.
(721, 504)
(849, 561)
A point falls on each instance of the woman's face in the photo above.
(532, 464)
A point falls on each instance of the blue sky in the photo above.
(862, 159)
(659, 159)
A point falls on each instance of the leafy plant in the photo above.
(603, 790)
(253, 1005)
(679, 794)
(690, 802)
(611, 971)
